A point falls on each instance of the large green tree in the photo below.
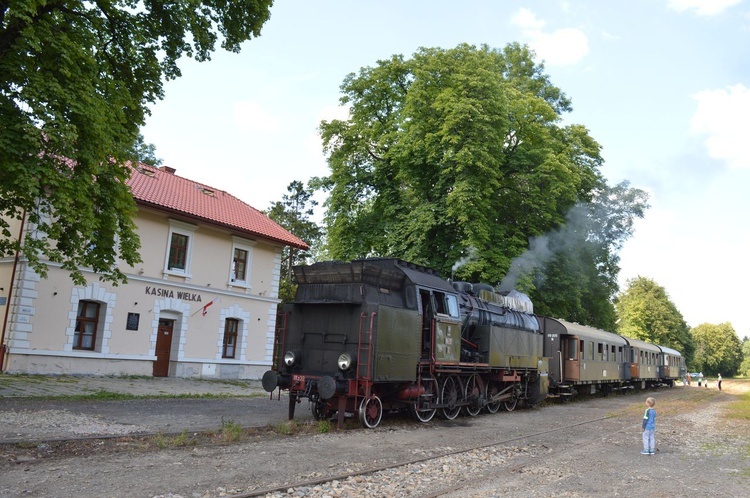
(717, 349)
(646, 312)
(745, 365)
(75, 81)
(457, 155)
(293, 212)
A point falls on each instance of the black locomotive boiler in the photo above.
(381, 334)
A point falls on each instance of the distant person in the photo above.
(718, 382)
(700, 379)
(705, 382)
(649, 428)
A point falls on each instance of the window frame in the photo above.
(231, 334)
(186, 230)
(81, 320)
(246, 245)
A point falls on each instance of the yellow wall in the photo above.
(44, 311)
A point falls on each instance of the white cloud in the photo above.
(525, 19)
(557, 48)
(702, 7)
(722, 115)
(250, 116)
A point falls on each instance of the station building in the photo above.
(202, 304)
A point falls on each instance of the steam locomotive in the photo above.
(380, 334)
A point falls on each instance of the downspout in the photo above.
(3, 347)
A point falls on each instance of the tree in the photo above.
(145, 153)
(457, 155)
(717, 349)
(76, 81)
(647, 313)
(745, 365)
(574, 268)
(293, 213)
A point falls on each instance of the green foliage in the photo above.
(77, 79)
(231, 431)
(293, 213)
(459, 155)
(145, 153)
(646, 312)
(717, 349)
(745, 365)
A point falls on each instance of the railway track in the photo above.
(474, 451)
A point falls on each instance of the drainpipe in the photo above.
(3, 347)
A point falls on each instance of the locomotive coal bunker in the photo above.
(381, 334)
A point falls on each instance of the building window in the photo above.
(180, 246)
(231, 327)
(178, 252)
(242, 260)
(87, 322)
(240, 264)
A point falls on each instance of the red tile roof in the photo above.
(161, 188)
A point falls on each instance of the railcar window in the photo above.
(600, 351)
(440, 304)
(572, 349)
(452, 306)
(590, 350)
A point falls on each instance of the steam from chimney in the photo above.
(541, 249)
(458, 264)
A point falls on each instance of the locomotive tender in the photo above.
(380, 334)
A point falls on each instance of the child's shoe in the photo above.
(644, 452)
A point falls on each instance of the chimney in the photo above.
(167, 169)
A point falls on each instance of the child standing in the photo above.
(649, 428)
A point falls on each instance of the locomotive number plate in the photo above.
(298, 381)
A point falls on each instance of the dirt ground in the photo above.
(587, 447)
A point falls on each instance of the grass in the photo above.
(231, 431)
(740, 409)
(166, 441)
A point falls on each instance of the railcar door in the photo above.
(572, 358)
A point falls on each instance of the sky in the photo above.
(662, 85)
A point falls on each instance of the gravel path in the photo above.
(700, 454)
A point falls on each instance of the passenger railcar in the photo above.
(671, 365)
(584, 359)
(644, 363)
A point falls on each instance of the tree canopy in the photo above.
(293, 212)
(76, 81)
(460, 155)
(717, 349)
(647, 313)
(745, 365)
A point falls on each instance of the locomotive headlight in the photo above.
(345, 361)
(291, 358)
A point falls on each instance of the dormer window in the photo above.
(206, 191)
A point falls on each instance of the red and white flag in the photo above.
(205, 308)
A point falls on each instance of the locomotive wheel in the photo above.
(319, 410)
(430, 395)
(493, 388)
(370, 412)
(510, 404)
(473, 393)
(450, 394)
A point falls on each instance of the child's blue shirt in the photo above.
(649, 419)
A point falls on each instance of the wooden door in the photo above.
(163, 347)
(572, 361)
